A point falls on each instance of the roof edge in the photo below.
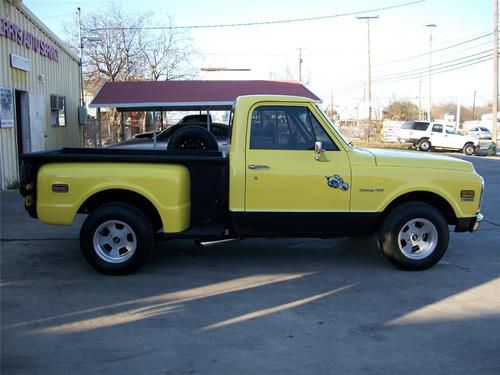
(161, 104)
(50, 34)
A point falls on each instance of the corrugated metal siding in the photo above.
(60, 78)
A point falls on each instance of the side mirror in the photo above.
(320, 153)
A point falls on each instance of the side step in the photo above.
(205, 244)
(201, 232)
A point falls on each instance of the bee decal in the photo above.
(337, 182)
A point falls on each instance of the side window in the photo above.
(420, 125)
(320, 134)
(438, 128)
(286, 128)
(451, 130)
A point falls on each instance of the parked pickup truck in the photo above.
(426, 135)
(288, 173)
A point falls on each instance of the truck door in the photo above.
(453, 138)
(437, 135)
(289, 187)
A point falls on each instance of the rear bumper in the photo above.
(411, 140)
(469, 224)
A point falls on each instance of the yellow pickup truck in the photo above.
(287, 172)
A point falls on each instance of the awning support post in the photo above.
(122, 128)
(97, 126)
(154, 129)
(122, 125)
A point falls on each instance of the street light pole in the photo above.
(495, 73)
(429, 108)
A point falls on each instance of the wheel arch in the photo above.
(123, 196)
(428, 197)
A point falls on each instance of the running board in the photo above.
(206, 244)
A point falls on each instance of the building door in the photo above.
(23, 122)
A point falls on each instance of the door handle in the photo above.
(258, 166)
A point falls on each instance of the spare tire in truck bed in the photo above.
(193, 138)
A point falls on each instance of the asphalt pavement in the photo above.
(251, 307)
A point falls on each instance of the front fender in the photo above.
(374, 189)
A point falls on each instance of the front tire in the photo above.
(469, 149)
(424, 145)
(414, 236)
(116, 239)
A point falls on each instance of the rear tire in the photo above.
(424, 145)
(414, 236)
(117, 239)
(469, 149)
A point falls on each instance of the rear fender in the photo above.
(166, 186)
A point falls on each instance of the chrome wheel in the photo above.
(114, 241)
(425, 146)
(418, 238)
(469, 149)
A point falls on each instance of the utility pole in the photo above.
(367, 19)
(474, 106)
(420, 97)
(429, 108)
(80, 49)
(331, 106)
(495, 71)
(300, 65)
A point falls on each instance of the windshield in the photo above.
(346, 141)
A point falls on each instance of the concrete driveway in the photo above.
(252, 307)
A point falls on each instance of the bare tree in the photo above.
(116, 56)
(127, 51)
(166, 55)
(401, 110)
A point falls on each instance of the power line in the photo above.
(443, 69)
(419, 70)
(258, 23)
(434, 51)
(404, 76)
(426, 54)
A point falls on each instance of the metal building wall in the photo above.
(59, 78)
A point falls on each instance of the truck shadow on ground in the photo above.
(293, 297)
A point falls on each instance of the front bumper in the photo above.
(469, 224)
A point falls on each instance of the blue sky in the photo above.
(334, 50)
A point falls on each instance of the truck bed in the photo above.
(208, 172)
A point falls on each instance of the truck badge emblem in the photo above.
(336, 182)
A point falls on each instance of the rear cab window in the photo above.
(417, 125)
(438, 128)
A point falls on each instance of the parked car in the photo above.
(188, 134)
(480, 132)
(426, 135)
(201, 118)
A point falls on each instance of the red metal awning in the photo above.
(189, 95)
